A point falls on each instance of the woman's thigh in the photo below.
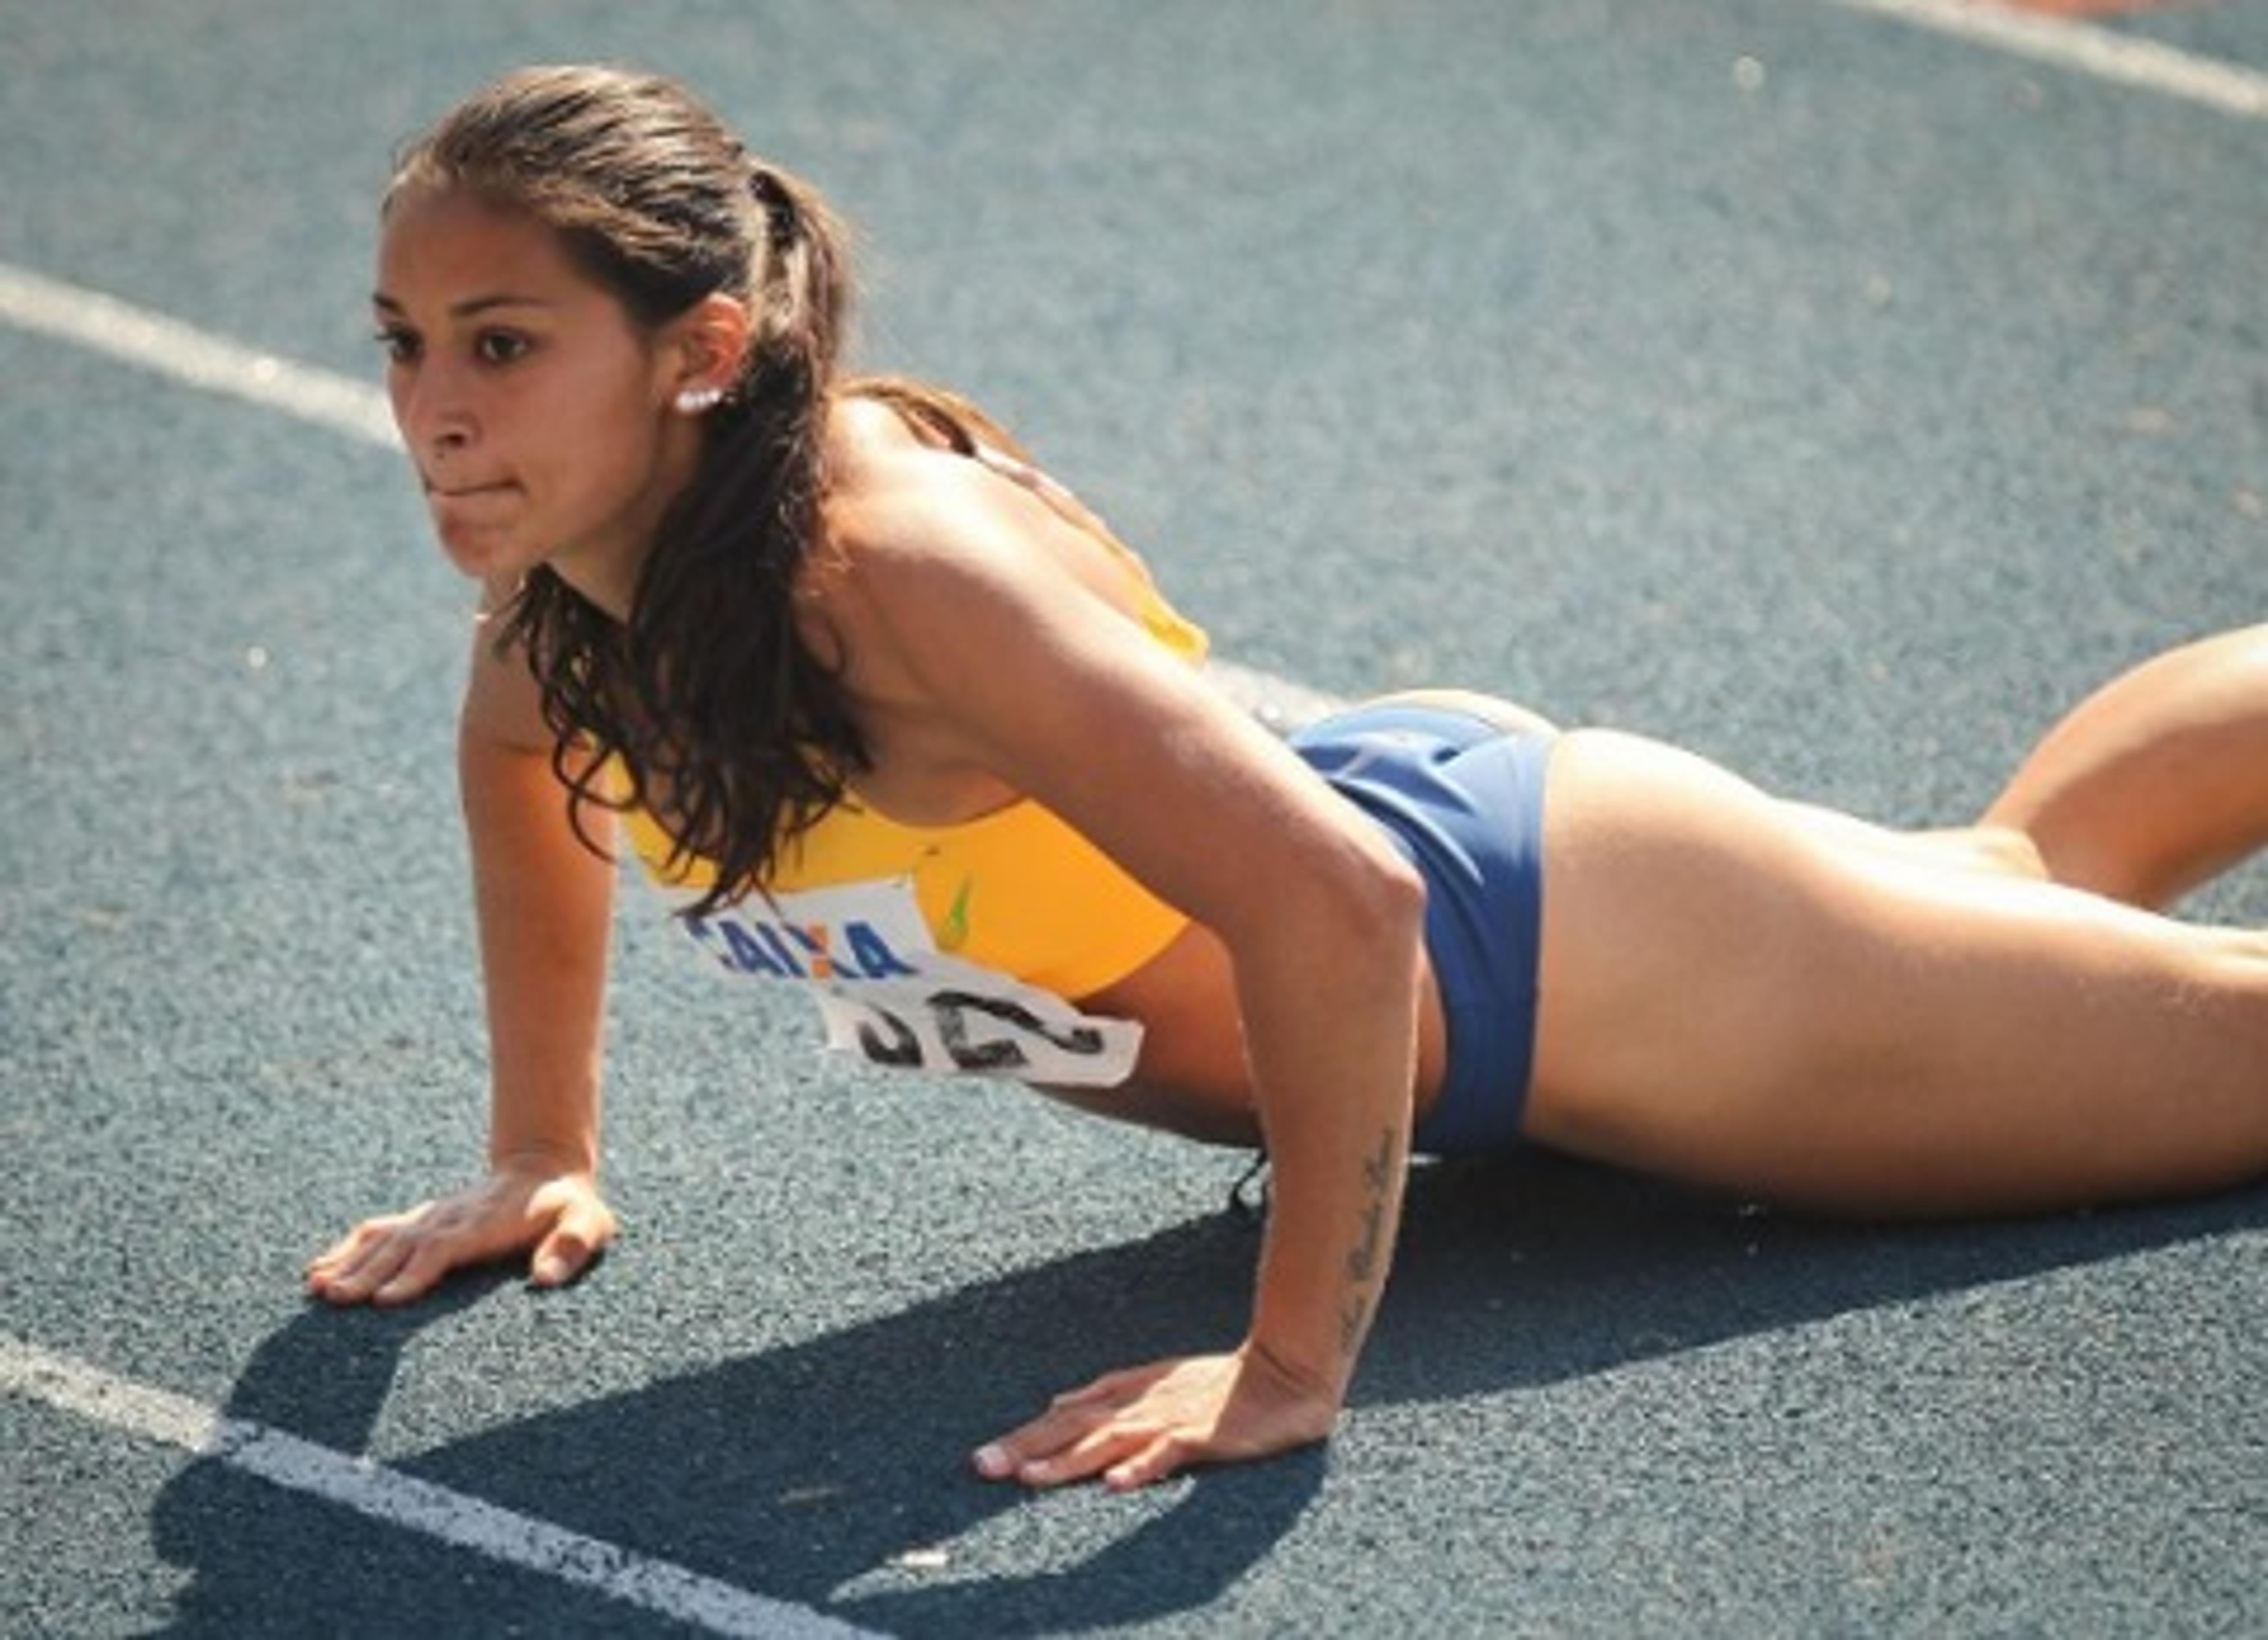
(1735, 992)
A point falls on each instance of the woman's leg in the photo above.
(2151, 786)
(1736, 993)
(2156, 781)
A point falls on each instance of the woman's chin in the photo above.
(481, 554)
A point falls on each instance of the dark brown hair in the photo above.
(730, 730)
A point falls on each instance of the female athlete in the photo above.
(906, 726)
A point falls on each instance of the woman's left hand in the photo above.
(1146, 1424)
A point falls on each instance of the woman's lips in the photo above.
(470, 501)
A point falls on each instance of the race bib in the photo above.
(888, 996)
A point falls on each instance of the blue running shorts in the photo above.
(1463, 799)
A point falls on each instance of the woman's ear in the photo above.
(705, 349)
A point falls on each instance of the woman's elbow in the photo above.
(1378, 897)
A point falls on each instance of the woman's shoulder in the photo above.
(908, 544)
(870, 448)
(900, 503)
(922, 521)
(883, 472)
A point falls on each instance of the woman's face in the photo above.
(538, 415)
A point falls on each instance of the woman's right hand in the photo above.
(557, 1217)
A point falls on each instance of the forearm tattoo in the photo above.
(1363, 1259)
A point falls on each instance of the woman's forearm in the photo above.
(1332, 1033)
(544, 904)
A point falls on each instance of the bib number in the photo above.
(889, 997)
(1004, 1030)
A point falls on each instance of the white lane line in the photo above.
(2088, 49)
(383, 1494)
(218, 364)
(135, 335)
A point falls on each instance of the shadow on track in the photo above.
(800, 1474)
(1530, 1269)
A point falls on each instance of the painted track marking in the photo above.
(165, 346)
(2088, 49)
(400, 1500)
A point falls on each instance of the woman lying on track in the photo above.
(906, 726)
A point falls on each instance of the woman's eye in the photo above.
(399, 345)
(500, 347)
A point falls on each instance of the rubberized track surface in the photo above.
(1830, 392)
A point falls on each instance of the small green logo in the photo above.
(955, 935)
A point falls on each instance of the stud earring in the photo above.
(699, 400)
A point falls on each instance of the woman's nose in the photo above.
(433, 413)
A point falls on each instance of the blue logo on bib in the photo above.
(779, 949)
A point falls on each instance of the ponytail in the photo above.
(749, 737)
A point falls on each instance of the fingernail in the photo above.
(992, 1462)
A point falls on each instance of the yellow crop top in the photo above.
(1017, 890)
